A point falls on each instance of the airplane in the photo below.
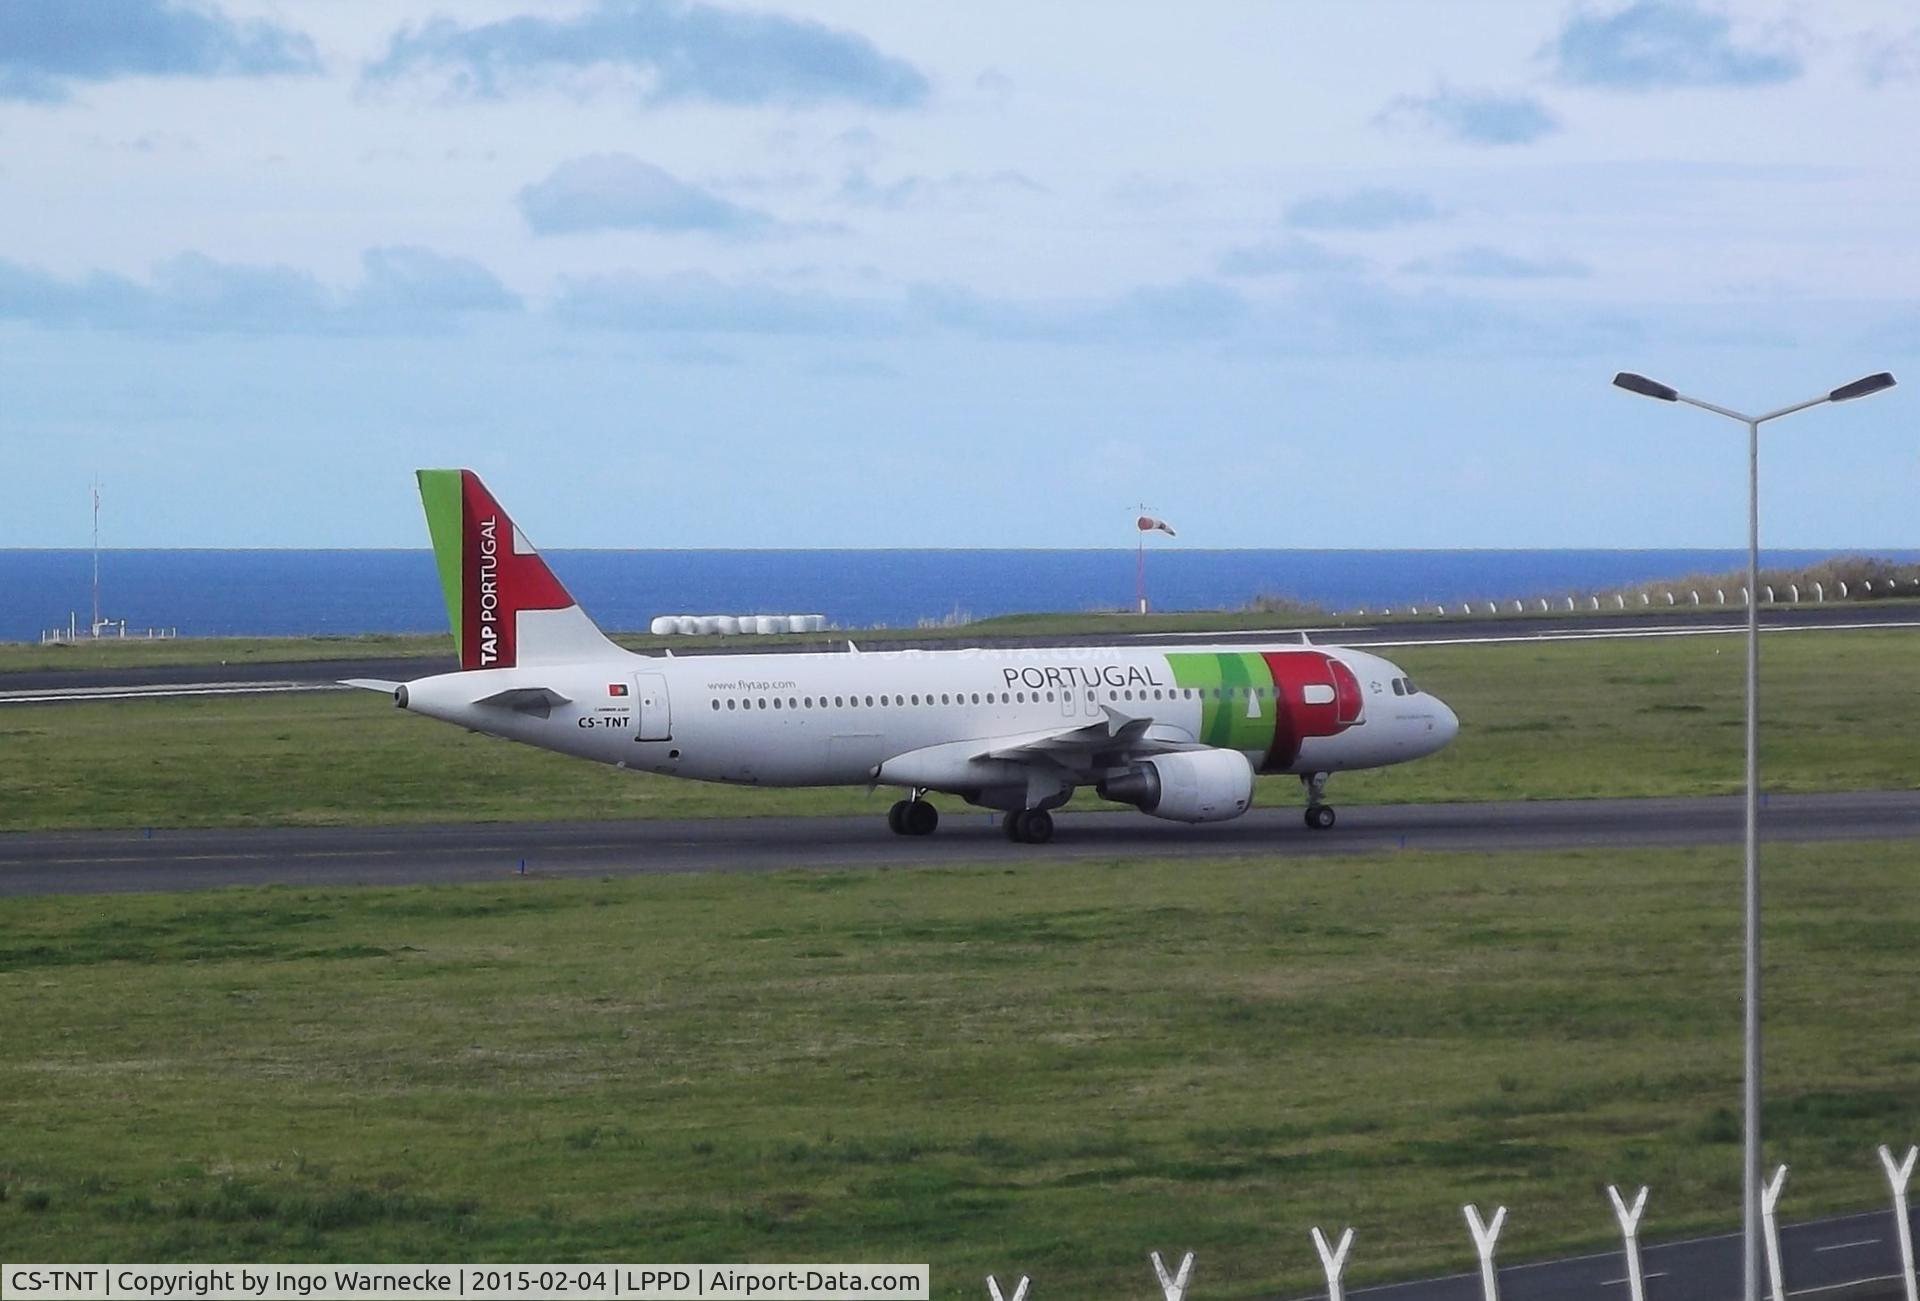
(1177, 733)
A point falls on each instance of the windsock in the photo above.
(1148, 524)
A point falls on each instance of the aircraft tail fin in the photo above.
(505, 605)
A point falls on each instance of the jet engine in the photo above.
(1192, 786)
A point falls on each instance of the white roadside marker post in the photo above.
(1485, 1235)
(1770, 1198)
(1173, 1285)
(1019, 1291)
(1629, 1217)
(1334, 1261)
(1897, 1176)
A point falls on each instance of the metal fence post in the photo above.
(1629, 1217)
(1484, 1237)
(1174, 1285)
(1770, 1198)
(1897, 1176)
(1334, 1261)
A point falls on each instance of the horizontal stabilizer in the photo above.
(371, 684)
(538, 701)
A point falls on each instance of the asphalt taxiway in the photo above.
(53, 686)
(114, 861)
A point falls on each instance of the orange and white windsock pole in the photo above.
(1144, 525)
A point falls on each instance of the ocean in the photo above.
(290, 593)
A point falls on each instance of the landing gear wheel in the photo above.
(1029, 826)
(919, 818)
(1319, 816)
(897, 818)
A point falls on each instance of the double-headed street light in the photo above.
(1750, 1220)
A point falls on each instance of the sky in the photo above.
(857, 273)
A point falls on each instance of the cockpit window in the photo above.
(1411, 689)
(1399, 687)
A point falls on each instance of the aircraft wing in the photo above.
(1115, 740)
(1043, 761)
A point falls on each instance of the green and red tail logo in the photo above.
(489, 572)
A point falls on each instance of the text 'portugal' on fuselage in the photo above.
(1178, 733)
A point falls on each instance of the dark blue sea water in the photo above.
(271, 593)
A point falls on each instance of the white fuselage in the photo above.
(821, 719)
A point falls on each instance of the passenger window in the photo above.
(869, 702)
(1049, 695)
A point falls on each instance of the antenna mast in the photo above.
(96, 557)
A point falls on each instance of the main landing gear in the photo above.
(913, 817)
(1319, 815)
(1029, 826)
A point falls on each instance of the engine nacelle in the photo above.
(1194, 786)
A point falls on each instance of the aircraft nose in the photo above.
(1447, 726)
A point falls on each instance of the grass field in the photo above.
(1051, 1069)
(1543, 720)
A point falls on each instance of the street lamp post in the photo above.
(1750, 1179)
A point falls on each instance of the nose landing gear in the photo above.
(913, 816)
(1319, 815)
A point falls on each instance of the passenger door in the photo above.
(656, 718)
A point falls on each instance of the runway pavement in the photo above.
(89, 862)
(46, 686)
